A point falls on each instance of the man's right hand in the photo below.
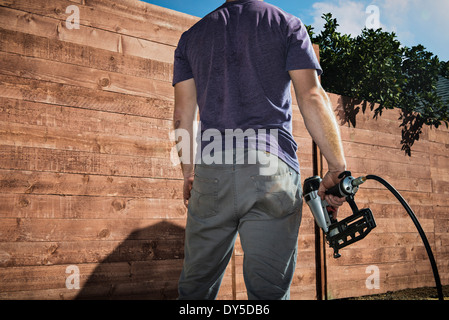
(330, 180)
(188, 183)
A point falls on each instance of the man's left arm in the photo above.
(184, 118)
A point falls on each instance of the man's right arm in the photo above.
(184, 117)
(320, 121)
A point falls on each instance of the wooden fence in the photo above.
(394, 250)
(90, 203)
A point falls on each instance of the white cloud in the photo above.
(418, 22)
(415, 22)
(350, 15)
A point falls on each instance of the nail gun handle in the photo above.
(344, 188)
(336, 191)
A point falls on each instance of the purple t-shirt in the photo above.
(239, 56)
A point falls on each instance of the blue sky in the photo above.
(415, 22)
(200, 8)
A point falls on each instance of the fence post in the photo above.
(320, 249)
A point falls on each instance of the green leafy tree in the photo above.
(374, 68)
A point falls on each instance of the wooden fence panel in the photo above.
(86, 179)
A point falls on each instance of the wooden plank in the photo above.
(93, 99)
(107, 280)
(17, 20)
(402, 225)
(390, 170)
(440, 199)
(145, 25)
(440, 135)
(43, 206)
(441, 213)
(65, 52)
(68, 74)
(362, 118)
(38, 136)
(385, 153)
(21, 254)
(67, 161)
(440, 172)
(72, 119)
(56, 183)
(54, 138)
(149, 290)
(381, 139)
(440, 180)
(50, 230)
(393, 277)
(374, 254)
(383, 196)
(132, 8)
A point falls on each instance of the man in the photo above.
(237, 65)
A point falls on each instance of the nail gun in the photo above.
(339, 234)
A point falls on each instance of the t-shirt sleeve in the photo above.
(300, 52)
(181, 69)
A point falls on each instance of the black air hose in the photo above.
(418, 226)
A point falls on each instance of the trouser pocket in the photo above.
(203, 197)
(277, 195)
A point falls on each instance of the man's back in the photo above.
(236, 65)
(239, 56)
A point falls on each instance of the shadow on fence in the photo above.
(146, 265)
(411, 122)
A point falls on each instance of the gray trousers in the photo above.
(265, 210)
